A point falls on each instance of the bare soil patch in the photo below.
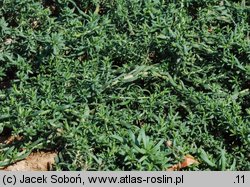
(37, 161)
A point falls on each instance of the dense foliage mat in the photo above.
(126, 85)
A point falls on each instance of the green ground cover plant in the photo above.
(107, 83)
